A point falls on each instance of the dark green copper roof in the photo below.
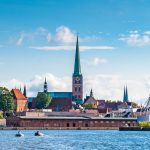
(77, 67)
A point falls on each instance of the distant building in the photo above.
(90, 100)
(61, 101)
(20, 101)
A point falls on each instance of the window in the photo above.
(74, 124)
(75, 89)
(79, 89)
(67, 124)
(86, 125)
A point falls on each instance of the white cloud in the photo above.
(41, 30)
(134, 38)
(21, 39)
(68, 48)
(147, 32)
(27, 36)
(98, 61)
(95, 61)
(65, 35)
(104, 86)
(13, 83)
(49, 37)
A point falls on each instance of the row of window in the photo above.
(77, 89)
(74, 125)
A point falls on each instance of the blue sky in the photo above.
(37, 37)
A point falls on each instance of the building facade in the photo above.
(20, 101)
(70, 122)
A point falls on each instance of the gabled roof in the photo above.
(18, 95)
(90, 100)
(61, 102)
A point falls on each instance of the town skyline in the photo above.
(114, 49)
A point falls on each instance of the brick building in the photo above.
(20, 101)
(72, 122)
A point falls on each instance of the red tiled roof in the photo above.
(18, 95)
(63, 104)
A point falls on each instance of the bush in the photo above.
(144, 124)
(1, 115)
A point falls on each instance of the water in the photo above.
(75, 140)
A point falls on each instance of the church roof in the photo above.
(77, 67)
(61, 102)
(60, 94)
(18, 95)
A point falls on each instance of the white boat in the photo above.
(38, 133)
(19, 134)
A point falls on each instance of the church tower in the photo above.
(77, 79)
(24, 91)
(125, 95)
(45, 86)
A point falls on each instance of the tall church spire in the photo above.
(77, 67)
(91, 93)
(77, 78)
(25, 91)
(45, 86)
(125, 96)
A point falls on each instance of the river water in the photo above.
(75, 140)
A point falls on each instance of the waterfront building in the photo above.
(20, 101)
(69, 122)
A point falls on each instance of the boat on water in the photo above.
(38, 133)
(19, 134)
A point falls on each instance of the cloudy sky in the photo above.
(37, 39)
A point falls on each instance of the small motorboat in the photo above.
(19, 134)
(38, 133)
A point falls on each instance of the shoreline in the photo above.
(134, 129)
(59, 128)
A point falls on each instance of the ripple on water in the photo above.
(75, 140)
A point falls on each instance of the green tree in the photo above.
(134, 105)
(90, 106)
(6, 100)
(43, 100)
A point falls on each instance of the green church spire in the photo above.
(91, 93)
(125, 96)
(77, 67)
(25, 91)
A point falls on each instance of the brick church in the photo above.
(62, 101)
